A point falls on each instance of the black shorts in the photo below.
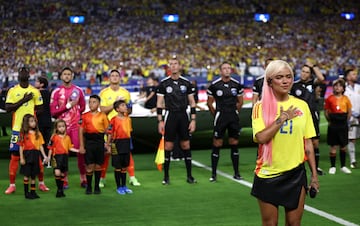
(94, 152)
(283, 190)
(32, 165)
(176, 124)
(60, 162)
(337, 135)
(226, 121)
(120, 161)
(316, 120)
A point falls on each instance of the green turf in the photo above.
(222, 203)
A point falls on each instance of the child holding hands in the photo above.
(59, 146)
(30, 147)
(120, 133)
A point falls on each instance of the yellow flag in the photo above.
(160, 155)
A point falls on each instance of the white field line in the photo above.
(307, 208)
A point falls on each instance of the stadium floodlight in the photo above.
(171, 18)
(262, 17)
(77, 19)
(348, 16)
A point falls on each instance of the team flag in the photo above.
(160, 155)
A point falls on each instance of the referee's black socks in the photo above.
(187, 156)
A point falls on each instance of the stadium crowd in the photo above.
(132, 37)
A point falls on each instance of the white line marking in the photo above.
(307, 208)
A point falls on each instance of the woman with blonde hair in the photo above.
(283, 127)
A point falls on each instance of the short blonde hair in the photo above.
(274, 67)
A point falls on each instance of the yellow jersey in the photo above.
(109, 96)
(288, 150)
(17, 93)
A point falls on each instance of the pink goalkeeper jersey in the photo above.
(60, 97)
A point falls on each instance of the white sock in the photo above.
(351, 149)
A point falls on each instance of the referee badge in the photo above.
(298, 92)
(183, 89)
(169, 89)
(219, 93)
(233, 91)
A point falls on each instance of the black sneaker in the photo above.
(191, 180)
(28, 196)
(34, 195)
(97, 191)
(237, 177)
(58, 194)
(320, 172)
(353, 165)
(212, 178)
(166, 181)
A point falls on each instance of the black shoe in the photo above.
(97, 191)
(237, 177)
(34, 195)
(191, 180)
(212, 178)
(60, 194)
(88, 192)
(28, 196)
(166, 181)
(320, 172)
(353, 165)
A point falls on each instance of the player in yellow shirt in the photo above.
(21, 99)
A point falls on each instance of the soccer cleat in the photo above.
(127, 190)
(88, 191)
(237, 177)
(133, 181)
(320, 172)
(346, 170)
(166, 181)
(60, 194)
(212, 178)
(11, 189)
(29, 196)
(34, 195)
(102, 183)
(332, 170)
(66, 185)
(120, 191)
(353, 165)
(42, 187)
(97, 191)
(191, 180)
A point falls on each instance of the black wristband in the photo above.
(193, 111)
(159, 111)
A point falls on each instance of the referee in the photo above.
(308, 88)
(228, 95)
(175, 93)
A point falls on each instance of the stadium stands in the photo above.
(131, 36)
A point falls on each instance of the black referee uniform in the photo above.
(306, 92)
(176, 118)
(226, 118)
(257, 86)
